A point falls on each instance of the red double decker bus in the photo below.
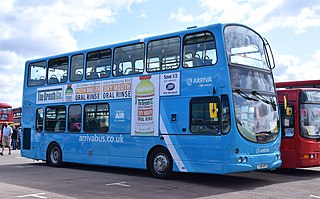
(6, 115)
(300, 114)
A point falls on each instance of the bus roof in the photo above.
(299, 84)
(188, 30)
(298, 89)
(5, 105)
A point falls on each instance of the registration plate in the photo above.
(262, 166)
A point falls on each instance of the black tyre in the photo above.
(54, 155)
(160, 163)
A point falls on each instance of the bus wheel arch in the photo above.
(160, 162)
(54, 155)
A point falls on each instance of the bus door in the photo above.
(201, 150)
(38, 134)
(288, 132)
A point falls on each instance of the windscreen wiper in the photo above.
(244, 95)
(244, 55)
(262, 98)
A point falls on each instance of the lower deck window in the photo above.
(55, 118)
(96, 118)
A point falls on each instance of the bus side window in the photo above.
(201, 120)
(39, 120)
(74, 118)
(225, 114)
(37, 73)
(163, 54)
(98, 64)
(76, 68)
(128, 60)
(96, 118)
(58, 70)
(199, 50)
(55, 120)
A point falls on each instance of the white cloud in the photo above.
(6, 6)
(31, 29)
(265, 15)
(142, 36)
(181, 16)
(11, 75)
(261, 14)
(226, 11)
(294, 68)
(143, 14)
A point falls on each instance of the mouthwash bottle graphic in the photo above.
(144, 106)
(68, 93)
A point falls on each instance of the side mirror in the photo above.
(213, 110)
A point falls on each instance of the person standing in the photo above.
(18, 139)
(14, 138)
(6, 137)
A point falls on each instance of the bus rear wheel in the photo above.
(54, 156)
(160, 163)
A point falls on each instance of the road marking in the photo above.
(35, 195)
(123, 184)
(23, 167)
(313, 196)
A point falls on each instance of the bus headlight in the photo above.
(239, 159)
(245, 159)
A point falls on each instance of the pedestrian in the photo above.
(19, 136)
(14, 138)
(6, 137)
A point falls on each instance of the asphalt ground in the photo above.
(25, 178)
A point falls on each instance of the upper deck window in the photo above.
(163, 54)
(76, 70)
(37, 73)
(58, 70)
(244, 47)
(128, 60)
(98, 64)
(199, 50)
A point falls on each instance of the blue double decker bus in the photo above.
(200, 100)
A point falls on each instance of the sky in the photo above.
(38, 28)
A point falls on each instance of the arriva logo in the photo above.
(262, 150)
(189, 81)
(199, 80)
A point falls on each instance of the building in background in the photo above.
(17, 113)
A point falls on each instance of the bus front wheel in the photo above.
(160, 163)
(54, 157)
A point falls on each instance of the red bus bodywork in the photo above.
(296, 151)
(6, 115)
(299, 84)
